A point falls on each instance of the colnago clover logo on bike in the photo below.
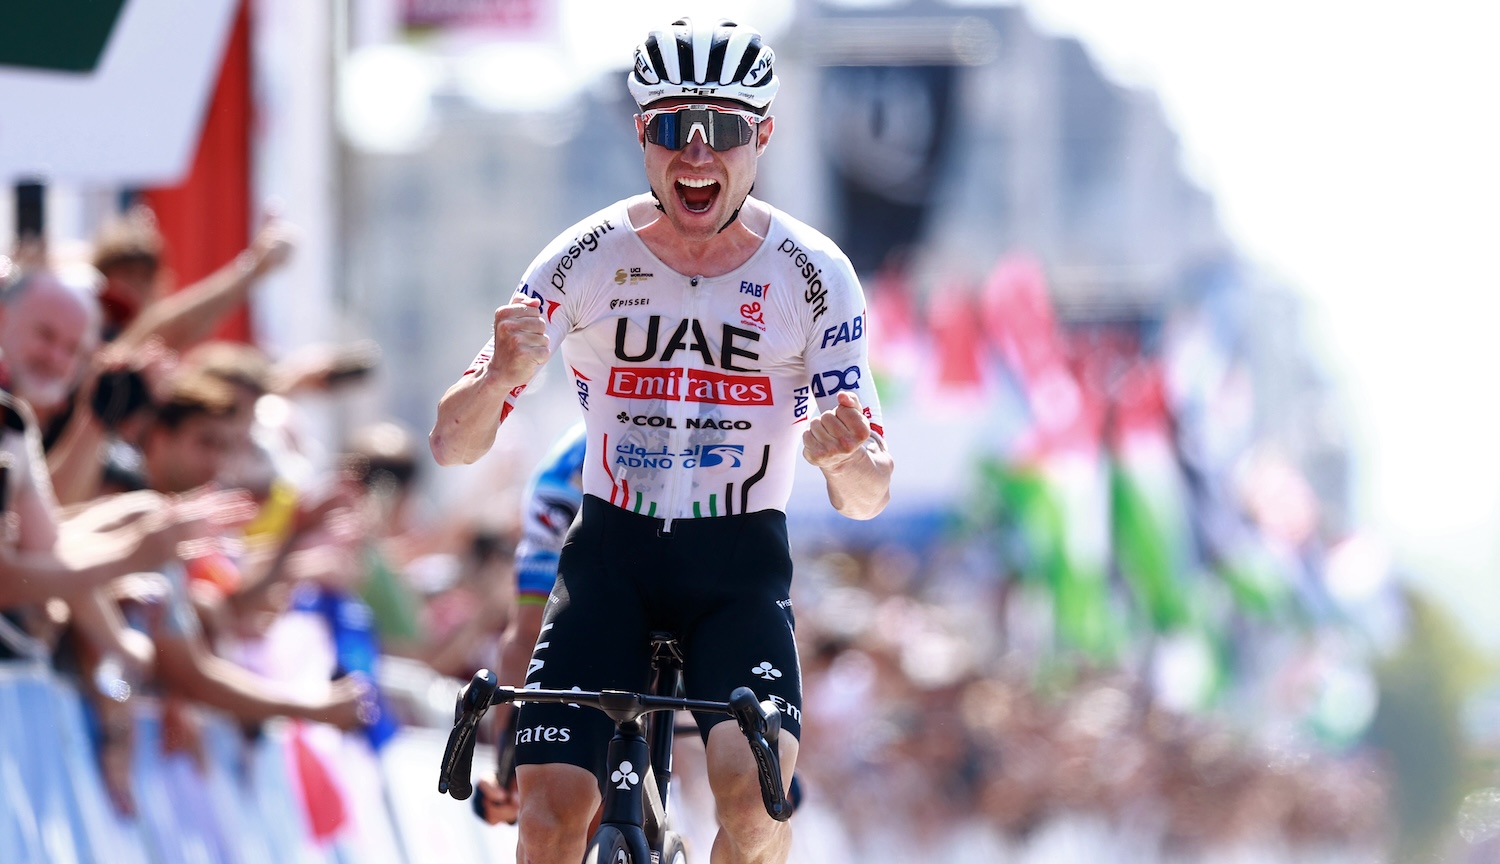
(766, 671)
(625, 776)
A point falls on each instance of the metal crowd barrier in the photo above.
(246, 807)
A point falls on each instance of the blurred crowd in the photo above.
(1138, 616)
(181, 556)
(1133, 616)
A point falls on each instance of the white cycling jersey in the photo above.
(696, 389)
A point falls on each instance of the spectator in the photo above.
(128, 251)
(46, 325)
(49, 321)
(452, 620)
(191, 435)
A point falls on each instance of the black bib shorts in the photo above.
(720, 585)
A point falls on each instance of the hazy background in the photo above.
(1351, 148)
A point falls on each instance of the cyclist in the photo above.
(704, 330)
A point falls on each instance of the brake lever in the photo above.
(473, 701)
(761, 724)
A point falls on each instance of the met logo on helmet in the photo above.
(762, 67)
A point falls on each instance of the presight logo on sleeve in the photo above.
(816, 295)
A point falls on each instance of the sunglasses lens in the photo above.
(721, 130)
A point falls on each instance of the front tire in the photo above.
(608, 847)
(672, 850)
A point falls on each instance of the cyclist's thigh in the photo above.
(747, 637)
(593, 636)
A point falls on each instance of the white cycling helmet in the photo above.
(719, 61)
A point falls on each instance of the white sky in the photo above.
(1354, 149)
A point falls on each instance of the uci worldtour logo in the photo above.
(634, 276)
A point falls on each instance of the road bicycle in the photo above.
(634, 827)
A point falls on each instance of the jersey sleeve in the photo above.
(553, 498)
(543, 282)
(838, 343)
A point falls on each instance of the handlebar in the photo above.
(759, 722)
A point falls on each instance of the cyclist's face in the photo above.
(699, 187)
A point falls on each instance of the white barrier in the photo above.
(246, 805)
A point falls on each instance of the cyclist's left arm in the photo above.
(855, 464)
(846, 441)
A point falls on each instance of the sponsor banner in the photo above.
(518, 17)
(72, 79)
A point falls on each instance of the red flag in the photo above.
(322, 799)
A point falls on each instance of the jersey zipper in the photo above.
(679, 415)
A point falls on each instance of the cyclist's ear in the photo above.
(763, 131)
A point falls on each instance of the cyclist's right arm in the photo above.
(470, 412)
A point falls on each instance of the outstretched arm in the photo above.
(187, 317)
(189, 669)
(853, 459)
(469, 414)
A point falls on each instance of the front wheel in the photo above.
(672, 850)
(608, 847)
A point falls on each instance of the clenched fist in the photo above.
(521, 343)
(837, 434)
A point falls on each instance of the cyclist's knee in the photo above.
(735, 780)
(557, 803)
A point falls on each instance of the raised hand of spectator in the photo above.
(156, 525)
(321, 367)
(350, 704)
(272, 246)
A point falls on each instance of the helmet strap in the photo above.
(736, 214)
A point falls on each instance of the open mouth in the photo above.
(697, 194)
